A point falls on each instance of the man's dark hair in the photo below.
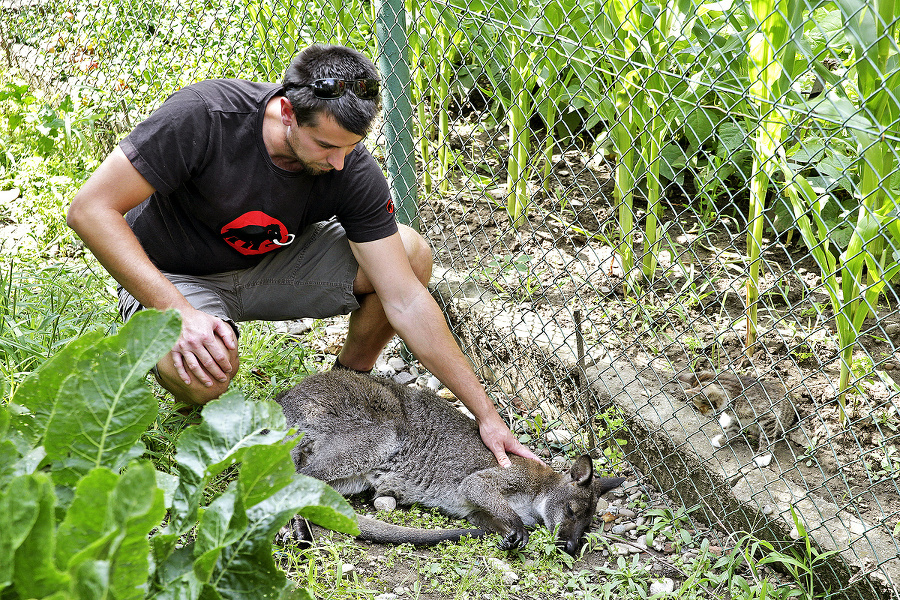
(318, 62)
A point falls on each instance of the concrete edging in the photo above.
(667, 441)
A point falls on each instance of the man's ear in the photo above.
(287, 112)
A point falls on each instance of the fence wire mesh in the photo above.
(617, 194)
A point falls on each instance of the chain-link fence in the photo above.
(618, 195)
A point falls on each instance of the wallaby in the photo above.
(363, 433)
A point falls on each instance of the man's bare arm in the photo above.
(97, 216)
(418, 320)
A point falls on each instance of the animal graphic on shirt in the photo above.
(256, 232)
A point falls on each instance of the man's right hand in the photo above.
(205, 349)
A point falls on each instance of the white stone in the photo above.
(663, 586)
(385, 503)
(558, 436)
(397, 363)
(717, 441)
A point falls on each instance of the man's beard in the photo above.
(306, 167)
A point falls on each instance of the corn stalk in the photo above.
(771, 55)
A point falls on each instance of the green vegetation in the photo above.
(717, 97)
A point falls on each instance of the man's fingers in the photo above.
(523, 451)
(180, 369)
(192, 362)
(226, 333)
(502, 459)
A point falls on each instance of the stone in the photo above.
(397, 363)
(622, 528)
(403, 378)
(558, 436)
(385, 503)
(662, 586)
(559, 463)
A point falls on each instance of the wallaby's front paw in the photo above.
(295, 532)
(517, 538)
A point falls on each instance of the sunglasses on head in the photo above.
(330, 88)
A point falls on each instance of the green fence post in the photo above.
(390, 23)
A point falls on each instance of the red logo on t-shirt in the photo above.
(390, 206)
(256, 232)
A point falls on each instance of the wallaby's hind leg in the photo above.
(331, 459)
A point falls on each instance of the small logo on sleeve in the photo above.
(256, 232)
(390, 206)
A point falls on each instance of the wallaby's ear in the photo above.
(583, 470)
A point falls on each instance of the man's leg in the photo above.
(196, 392)
(369, 330)
(206, 294)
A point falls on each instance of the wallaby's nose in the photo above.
(569, 546)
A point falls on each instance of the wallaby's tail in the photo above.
(604, 484)
(374, 530)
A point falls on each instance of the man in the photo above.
(237, 201)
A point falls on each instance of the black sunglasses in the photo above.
(330, 88)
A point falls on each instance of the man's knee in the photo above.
(418, 251)
(195, 392)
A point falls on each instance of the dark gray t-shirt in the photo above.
(220, 202)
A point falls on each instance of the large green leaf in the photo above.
(40, 392)
(35, 575)
(108, 522)
(108, 404)
(245, 568)
(230, 426)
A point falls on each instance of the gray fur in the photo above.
(363, 433)
(756, 408)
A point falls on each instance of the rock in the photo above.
(397, 363)
(626, 513)
(558, 436)
(386, 596)
(622, 528)
(763, 460)
(433, 383)
(602, 506)
(383, 369)
(507, 574)
(403, 378)
(559, 463)
(385, 503)
(622, 549)
(663, 586)
(348, 568)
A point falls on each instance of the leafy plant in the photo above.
(81, 515)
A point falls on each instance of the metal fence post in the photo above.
(390, 22)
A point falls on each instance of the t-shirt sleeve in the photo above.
(170, 145)
(367, 212)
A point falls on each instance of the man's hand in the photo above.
(500, 440)
(203, 348)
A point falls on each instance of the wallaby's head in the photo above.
(570, 506)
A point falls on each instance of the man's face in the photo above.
(323, 147)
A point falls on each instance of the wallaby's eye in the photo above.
(569, 512)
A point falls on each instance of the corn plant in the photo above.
(873, 243)
(771, 56)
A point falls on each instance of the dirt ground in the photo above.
(693, 313)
